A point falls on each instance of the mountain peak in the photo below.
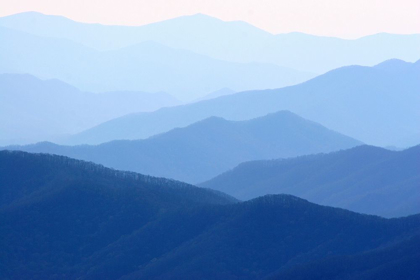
(31, 16)
(281, 114)
(201, 15)
(196, 18)
(393, 65)
(213, 119)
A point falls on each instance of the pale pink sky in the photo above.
(340, 18)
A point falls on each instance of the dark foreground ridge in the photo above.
(66, 219)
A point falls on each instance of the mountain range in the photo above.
(197, 148)
(376, 105)
(209, 147)
(230, 41)
(68, 219)
(363, 179)
(33, 110)
(147, 66)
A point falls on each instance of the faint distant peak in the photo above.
(24, 78)
(25, 14)
(392, 62)
(203, 16)
(283, 113)
(393, 65)
(38, 145)
(203, 20)
(43, 144)
(195, 18)
(20, 79)
(11, 76)
(366, 151)
(212, 120)
(32, 15)
(279, 115)
(215, 94)
(269, 118)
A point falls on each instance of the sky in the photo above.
(337, 18)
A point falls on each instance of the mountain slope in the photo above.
(68, 219)
(271, 231)
(28, 177)
(232, 41)
(363, 179)
(207, 148)
(61, 210)
(36, 110)
(147, 66)
(377, 105)
(397, 261)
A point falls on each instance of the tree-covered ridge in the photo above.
(399, 261)
(67, 219)
(28, 171)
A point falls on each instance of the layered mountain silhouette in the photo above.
(147, 66)
(363, 179)
(377, 105)
(232, 41)
(207, 148)
(33, 110)
(296, 144)
(68, 219)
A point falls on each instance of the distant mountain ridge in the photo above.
(216, 94)
(77, 220)
(209, 147)
(363, 179)
(376, 105)
(146, 66)
(231, 41)
(33, 110)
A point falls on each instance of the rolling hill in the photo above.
(376, 105)
(67, 219)
(207, 148)
(363, 179)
